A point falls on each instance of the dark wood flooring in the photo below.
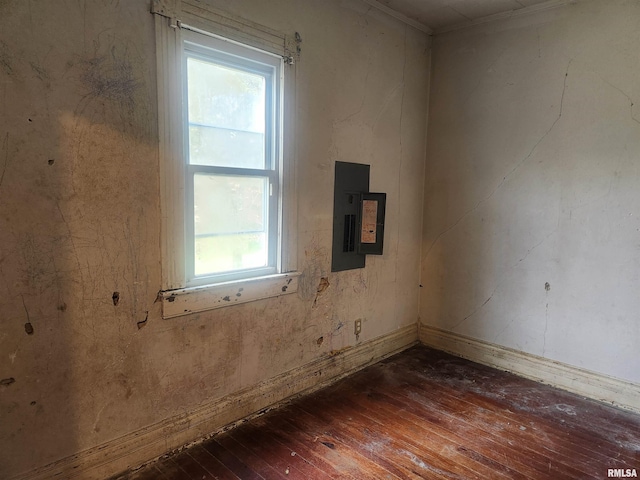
(420, 414)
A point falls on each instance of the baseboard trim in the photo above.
(596, 386)
(151, 442)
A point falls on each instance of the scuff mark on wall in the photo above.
(111, 76)
(547, 288)
(322, 286)
(142, 323)
(5, 147)
(5, 382)
(40, 72)
(5, 59)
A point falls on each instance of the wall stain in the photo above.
(6, 62)
(111, 76)
(547, 286)
(5, 147)
(333, 353)
(28, 328)
(40, 72)
(5, 382)
(143, 323)
(322, 286)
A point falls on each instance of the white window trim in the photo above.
(171, 18)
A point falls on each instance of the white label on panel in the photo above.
(369, 218)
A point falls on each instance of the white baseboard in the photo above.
(150, 442)
(589, 384)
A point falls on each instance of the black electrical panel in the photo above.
(358, 218)
(351, 180)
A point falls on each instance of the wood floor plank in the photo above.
(421, 414)
(212, 464)
(504, 422)
(355, 461)
(422, 422)
(447, 423)
(440, 456)
(308, 447)
(253, 461)
(366, 442)
(212, 448)
(589, 424)
(196, 471)
(499, 423)
(279, 456)
(171, 470)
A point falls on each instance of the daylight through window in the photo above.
(232, 137)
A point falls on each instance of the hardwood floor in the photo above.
(420, 414)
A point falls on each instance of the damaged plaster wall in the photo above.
(84, 354)
(532, 207)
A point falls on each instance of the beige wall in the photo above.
(532, 206)
(80, 218)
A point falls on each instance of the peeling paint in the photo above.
(143, 323)
(323, 285)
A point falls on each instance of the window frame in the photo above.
(173, 26)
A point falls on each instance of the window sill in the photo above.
(185, 301)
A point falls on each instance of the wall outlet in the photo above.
(357, 328)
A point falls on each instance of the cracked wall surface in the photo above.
(532, 211)
(84, 354)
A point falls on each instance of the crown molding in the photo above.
(551, 4)
(399, 16)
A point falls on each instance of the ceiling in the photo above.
(442, 14)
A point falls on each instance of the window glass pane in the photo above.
(227, 111)
(230, 223)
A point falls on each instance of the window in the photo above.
(232, 118)
(228, 193)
